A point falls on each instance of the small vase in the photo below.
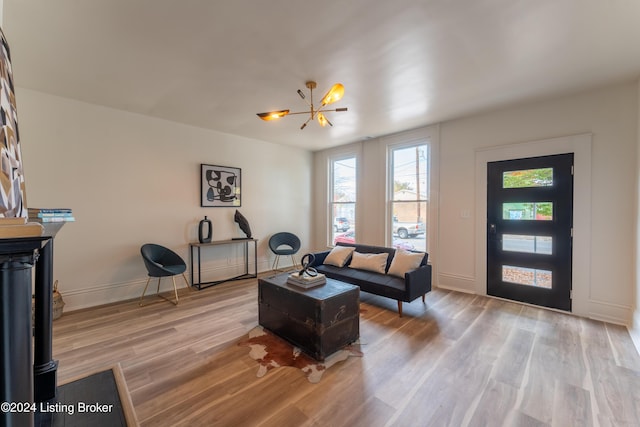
(205, 231)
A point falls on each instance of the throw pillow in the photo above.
(404, 261)
(339, 256)
(372, 262)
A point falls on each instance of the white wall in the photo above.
(611, 115)
(132, 179)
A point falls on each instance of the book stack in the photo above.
(50, 215)
(306, 281)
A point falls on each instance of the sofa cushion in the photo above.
(368, 249)
(339, 256)
(370, 262)
(368, 281)
(382, 284)
(404, 261)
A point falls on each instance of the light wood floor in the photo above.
(458, 360)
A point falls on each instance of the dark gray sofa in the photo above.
(416, 283)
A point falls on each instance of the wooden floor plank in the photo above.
(512, 363)
(623, 348)
(496, 402)
(572, 406)
(539, 386)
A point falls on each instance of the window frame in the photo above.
(391, 148)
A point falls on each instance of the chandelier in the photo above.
(333, 95)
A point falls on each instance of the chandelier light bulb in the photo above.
(322, 120)
(273, 115)
(335, 94)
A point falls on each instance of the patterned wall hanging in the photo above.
(12, 187)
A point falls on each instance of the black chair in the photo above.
(284, 244)
(162, 262)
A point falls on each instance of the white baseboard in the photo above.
(457, 282)
(113, 292)
(634, 330)
(610, 313)
(107, 293)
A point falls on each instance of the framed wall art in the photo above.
(220, 186)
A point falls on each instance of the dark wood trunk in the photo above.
(320, 321)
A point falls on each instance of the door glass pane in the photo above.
(525, 211)
(526, 276)
(529, 244)
(528, 178)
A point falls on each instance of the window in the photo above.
(409, 196)
(342, 204)
(527, 276)
(528, 178)
(527, 244)
(528, 211)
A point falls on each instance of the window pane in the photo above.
(528, 178)
(343, 223)
(344, 180)
(343, 201)
(408, 229)
(410, 173)
(540, 211)
(409, 197)
(529, 244)
(526, 276)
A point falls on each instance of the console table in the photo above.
(197, 247)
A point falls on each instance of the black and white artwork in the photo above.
(220, 186)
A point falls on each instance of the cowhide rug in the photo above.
(271, 351)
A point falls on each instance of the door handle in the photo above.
(492, 229)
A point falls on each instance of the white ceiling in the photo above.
(404, 64)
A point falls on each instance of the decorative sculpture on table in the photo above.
(306, 262)
(205, 230)
(243, 223)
